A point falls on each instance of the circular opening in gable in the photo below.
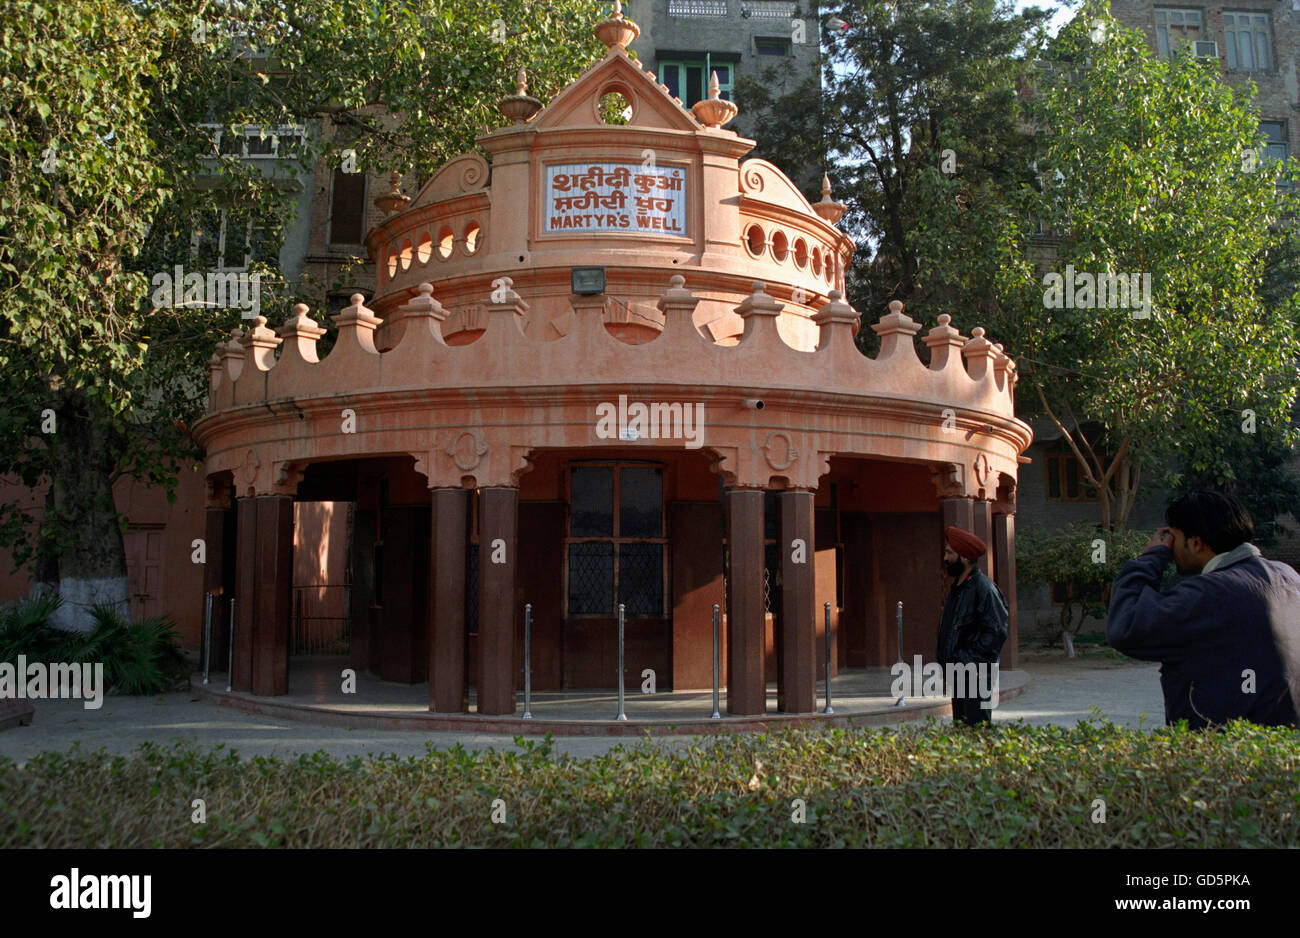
(445, 241)
(472, 231)
(780, 247)
(754, 240)
(800, 253)
(425, 249)
(614, 108)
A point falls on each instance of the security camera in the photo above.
(753, 403)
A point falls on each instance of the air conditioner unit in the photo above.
(1206, 49)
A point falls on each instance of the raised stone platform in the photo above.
(859, 697)
(15, 713)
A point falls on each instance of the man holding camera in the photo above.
(1228, 636)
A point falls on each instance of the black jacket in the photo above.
(974, 623)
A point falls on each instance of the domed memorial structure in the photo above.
(609, 364)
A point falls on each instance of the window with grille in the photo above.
(616, 551)
(1249, 39)
(1175, 28)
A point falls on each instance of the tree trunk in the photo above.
(81, 545)
(1067, 615)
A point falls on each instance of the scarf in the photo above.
(1243, 551)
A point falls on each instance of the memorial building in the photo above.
(608, 362)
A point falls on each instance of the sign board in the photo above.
(615, 198)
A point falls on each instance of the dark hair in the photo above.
(1216, 518)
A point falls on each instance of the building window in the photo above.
(229, 240)
(616, 550)
(256, 142)
(689, 80)
(1248, 39)
(1064, 476)
(1276, 146)
(1174, 28)
(347, 208)
(770, 47)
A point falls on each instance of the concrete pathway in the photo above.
(1060, 692)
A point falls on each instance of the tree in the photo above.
(924, 138)
(1082, 562)
(1152, 327)
(104, 165)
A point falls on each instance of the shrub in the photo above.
(930, 786)
(138, 657)
(1083, 561)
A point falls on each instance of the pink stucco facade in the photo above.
(476, 379)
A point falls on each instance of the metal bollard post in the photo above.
(899, 702)
(207, 635)
(230, 651)
(716, 714)
(829, 708)
(528, 661)
(621, 714)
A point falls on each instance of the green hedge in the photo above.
(932, 786)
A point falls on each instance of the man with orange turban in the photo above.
(974, 623)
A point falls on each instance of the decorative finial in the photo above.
(617, 31)
(828, 208)
(393, 200)
(896, 306)
(944, 319)
(426, 288)
(977, 332)
(358, 299)
(677, 281)
(714, 111)
(520, 106)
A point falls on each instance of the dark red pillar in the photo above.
(245, 599)
(263, 592)
(796, 680)
(746, 690)
(1004, 562)
(959, 512)
(218, 581)
(496, 600)
(447, 662)
(983, 529)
